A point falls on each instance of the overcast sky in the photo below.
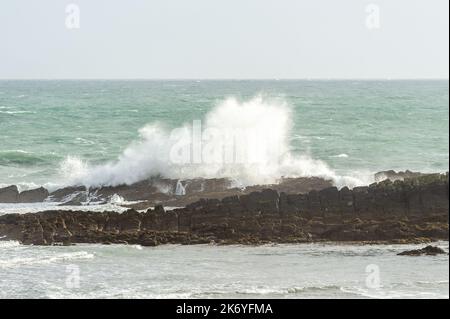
(225, 39)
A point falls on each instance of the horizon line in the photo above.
(228, 79)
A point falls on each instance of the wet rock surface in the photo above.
(9, 194)
(394, 176)
(156, 191)
(413, 210)
(37, 195)
(428, 250)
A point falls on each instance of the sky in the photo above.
(228, 39)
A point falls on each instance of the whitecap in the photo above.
(260, 132)
(342, 155)
(17, 112)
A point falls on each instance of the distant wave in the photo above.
(343, 155)
(21, 157)
(17, 112)
(151, 154)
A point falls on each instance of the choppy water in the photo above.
(61, 132)
(278, 271)
(354, 127)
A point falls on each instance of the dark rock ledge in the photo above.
(154, 191)
(413, 210)
(11, 194)
(428, 250)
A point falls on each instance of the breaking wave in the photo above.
(246, 141)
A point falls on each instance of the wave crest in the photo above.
(256, 131)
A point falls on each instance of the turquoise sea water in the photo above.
(352, 126)
(339, 128)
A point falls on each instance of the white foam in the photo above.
(343, 155)
(24, 208)
(180, 189)
(24, 261)
(152, 155)
(8, 244)
(392, 294)
(117, 199)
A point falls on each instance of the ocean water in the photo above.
(54, 133)
(57, 133)
(206, 271)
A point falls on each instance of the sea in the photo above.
(206, 271)
(55, 133)
(61, 132)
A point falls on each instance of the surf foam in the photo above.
(257, 131)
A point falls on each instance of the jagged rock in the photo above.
(75, 199)
(9, 194)
(155, 227)
(33, 196)
(159, 190)
(429, 250)
(404, 211)
(231, 200)
(63, 193)
(347, 202)
(361, 202)
(393, 175)
(285, 205)
(265, 201)
(298, 202)
(314, 206)
(294, 185)
(329, 201)
(159, 209)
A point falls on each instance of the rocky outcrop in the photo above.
(158, 191)
(401, 211)
(9, 194)
(164, 191)
(394, 176)
(428, 250)
(33, 196)
(66, 193)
